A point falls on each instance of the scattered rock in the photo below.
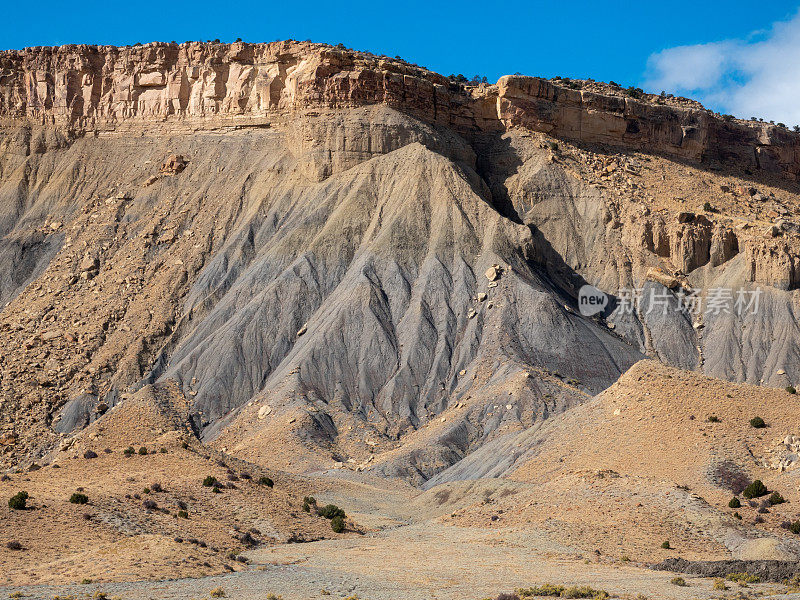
(658, 276)
(173, 165)
(493, 273)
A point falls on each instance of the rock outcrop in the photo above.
(82, 88)
(685, 132)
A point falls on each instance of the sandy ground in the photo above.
(412, 558)
(414, 562)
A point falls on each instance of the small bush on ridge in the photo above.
(18, 501)
(755, 490)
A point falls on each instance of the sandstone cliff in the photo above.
(93, 88)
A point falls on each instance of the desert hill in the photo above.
(139, 468)
(657, 456)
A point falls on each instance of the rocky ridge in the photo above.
(83, 88)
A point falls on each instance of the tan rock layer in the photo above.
(685, 132)
(83, 88)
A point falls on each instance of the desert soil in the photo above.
(414, 556)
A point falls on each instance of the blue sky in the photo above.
(577, 39)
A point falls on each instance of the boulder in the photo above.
(173, 165)
(89, 263)
(658, 276)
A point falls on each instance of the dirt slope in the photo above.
(641, 463)
(124, 532)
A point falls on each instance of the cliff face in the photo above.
(86, 88)
(688, 133)
(331, 249)
(90, 87)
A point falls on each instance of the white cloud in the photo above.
(759, 76)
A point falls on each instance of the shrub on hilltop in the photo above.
(18, 501)
(331, 511)
(337, 524)
(755, 490)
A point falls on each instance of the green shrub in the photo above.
(210, 481)
(713, 419)
(337, 524)
(634, 92)
(331, 511)
(78, 498)
(791, 389)
(757, 422)
(734, 503)
(678, 581)
(264, 480)
(795, 527)
(129, 451)
(665, 545)
(560, 591)
(743, 577)
(143, 451)
(776, 498)
(719, 584)
(736, 515)
(182, 514)
(755, 490)
(18, 501)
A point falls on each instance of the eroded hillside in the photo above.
(343, 260)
